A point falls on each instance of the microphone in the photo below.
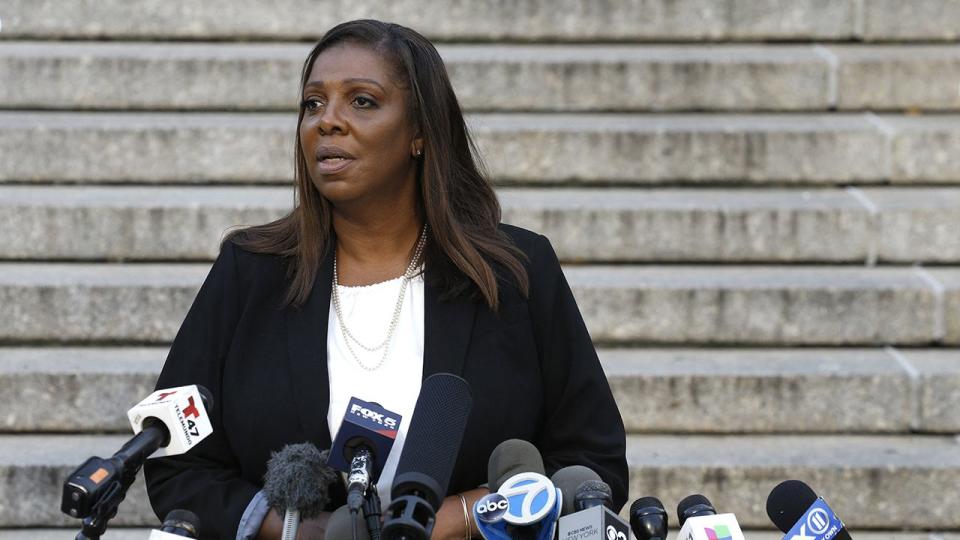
(592, 493)
(699, 521)
(567, 480)
(796, 510)
(363, 443)
(341, 526)
(593, 516)
(296, 483)
(509, 458)
(178, 524)
(428, 457)
(525, 504)
(648, 519)
(167, 423)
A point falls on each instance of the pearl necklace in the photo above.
(394, 322)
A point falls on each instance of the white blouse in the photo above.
(395, 385)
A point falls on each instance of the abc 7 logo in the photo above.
(614, 534)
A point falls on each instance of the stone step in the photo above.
(128, 533)
(548, 20)
(658, 390)
(766, 305)
(710, 225)
(249, 76)
(755, 305)
(528, 148)
(871, 481)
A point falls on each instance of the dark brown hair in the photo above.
(455, 198)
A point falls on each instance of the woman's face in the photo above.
(354, 108)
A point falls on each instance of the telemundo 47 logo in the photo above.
(819, 522)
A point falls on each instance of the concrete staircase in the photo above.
(757, 203)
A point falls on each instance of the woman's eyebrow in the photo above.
(350, 80)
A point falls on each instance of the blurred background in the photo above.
(757, 203)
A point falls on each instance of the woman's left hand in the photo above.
(450, 524)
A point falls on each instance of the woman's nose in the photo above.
(330, 119)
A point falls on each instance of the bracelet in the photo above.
(466, 518)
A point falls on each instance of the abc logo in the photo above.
(491, 508)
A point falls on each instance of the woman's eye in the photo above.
(310, 104)
(363, 99)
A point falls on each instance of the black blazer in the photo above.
(532, 369)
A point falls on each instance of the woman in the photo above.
(392, 266)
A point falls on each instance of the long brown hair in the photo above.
(455, 197)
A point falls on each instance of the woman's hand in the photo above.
(450, 524)
(310, 529)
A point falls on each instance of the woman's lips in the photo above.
(331, 166)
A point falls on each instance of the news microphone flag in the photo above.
(819, 522)
(713, 527)
(528, 501)
(181, 410)
(368, 422)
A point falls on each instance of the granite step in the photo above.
(662, 304)
(728, 149)
(873, 482)
(658, 390)
(539, 20)
(127, 533)
(624, 225)
(494, 77)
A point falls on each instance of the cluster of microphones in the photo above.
(524, 503)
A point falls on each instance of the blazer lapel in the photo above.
(307, 356)
(447, 328)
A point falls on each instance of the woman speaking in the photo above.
(392, 266)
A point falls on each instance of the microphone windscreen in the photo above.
(567, 480)
(340, 526)
(787, 503)
(592, 493)
(298, 478)
(512, 456)
(433, 439)
(694, 505)
(181, 522)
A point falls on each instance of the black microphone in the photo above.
(793, 504)
(171, 420)
(593, 516)
(648, 519)
(694, 506)
(341, 526)
(182, 523)
(428, 457)
(567, 480)
(509, 458)
(297, 483)
(361, 447)
(592, 493)
(699, 519)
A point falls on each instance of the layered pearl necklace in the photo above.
(394, 322)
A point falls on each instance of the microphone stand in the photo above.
(371, 512)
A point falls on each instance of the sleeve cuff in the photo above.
(253, 517)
